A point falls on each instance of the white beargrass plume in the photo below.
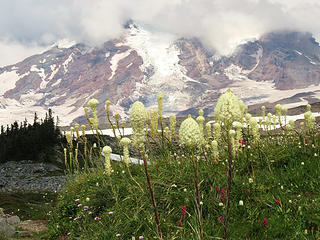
(160, 109)
(166, 130)
(290, 126)
(93, 105)
(138, 117)
(278, 111)
(232, 134)
(268, 122)
(309, 120)
(107, 163)
(125, 143)
(239, 127)
(285, 111)
(200, 119)
(228, 109)
(76, 127)
(69, 138)
(208, 131)
(254, 129)
(189, 132)
(274, 117)
(154, 122)
(217, 132)
(189, 135)
(173, 123)
(214, 145)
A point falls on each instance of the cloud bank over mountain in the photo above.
(220, 24)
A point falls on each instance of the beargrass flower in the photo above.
(173, 123)
(240, 203)
(214, 145)
(208, 131)
(189, 132)
(107, 151)
(200, 119)
(125, 143)
(138, 117)
(228, 109)
(217, 132)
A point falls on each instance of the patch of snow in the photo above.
(252, 92)
(57, 82)
(67, 62)
(130, 65)
(54, 71)
(115, 60)
(234, 72)
(65, 43)
(8, 81)
(298, 52)
(43, 60)
(258, 56)
(40, 71)
(107, 54)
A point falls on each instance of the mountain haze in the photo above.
(142, 62)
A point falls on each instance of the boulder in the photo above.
(13, 220)
(6, 228)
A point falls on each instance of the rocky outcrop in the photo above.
(30, 176)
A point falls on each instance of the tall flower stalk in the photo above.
(138, 117)
(190, 136)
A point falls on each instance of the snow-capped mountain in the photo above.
(143, 62)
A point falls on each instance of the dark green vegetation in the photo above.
(38, 141)
(277, 178)
(28, 205)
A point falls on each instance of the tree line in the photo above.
(39, 141)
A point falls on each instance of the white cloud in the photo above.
(219, 23)
(13, 52)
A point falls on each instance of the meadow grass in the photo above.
(264, 185)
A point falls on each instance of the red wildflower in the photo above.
(265, 222)
(306, 140)
(220, 219)
(183, 212)
(180, 224)
(248, 192)
(75, 191)
(276, 201)
(222, 194)
(217, 159)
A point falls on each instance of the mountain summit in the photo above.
(143, 62)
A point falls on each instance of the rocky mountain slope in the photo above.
(142, 62)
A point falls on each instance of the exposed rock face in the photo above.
(142, 63)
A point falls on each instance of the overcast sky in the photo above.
(30, 26)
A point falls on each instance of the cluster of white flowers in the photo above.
(200, 119)
(228, 109)
(93, 105)
(138, 117)
(125, 143)
(189, 132)
(107, 164)
(173, 123)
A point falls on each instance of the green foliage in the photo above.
(282, 167)
(26, 141)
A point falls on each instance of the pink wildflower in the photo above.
(276, 201)
(183, 212)
(222, 194)
(265, 222)
(220, 219)
(180, 224)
